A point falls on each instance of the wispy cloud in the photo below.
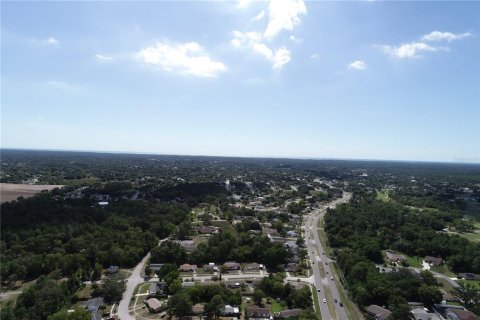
(102, 57)
(183, 58)
(357, 65)
(416, 49)
(50, 41)
(408, 50)
(253, 40)
(445, 36)
(283, 15)
(278, 57)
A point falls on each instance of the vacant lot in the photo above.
(11, 191)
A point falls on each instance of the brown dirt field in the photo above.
(11, 191)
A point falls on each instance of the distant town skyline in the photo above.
(277, 79)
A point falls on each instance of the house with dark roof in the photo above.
(208, 230)
(433, 261)
(469, 276)
(458, 314)
(187, 267)
(153, 304)
(94, 304)
(395, 257)
(377, 312)
(112, 269)
(289, 313)
(232, 265)
(258, 313)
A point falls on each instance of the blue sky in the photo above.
(279, 78)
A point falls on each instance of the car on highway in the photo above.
(331, 278)
(324, 300)
(340, 304)
(318, 290)
(335, 300)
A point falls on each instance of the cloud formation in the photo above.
(357, 65)
(408, 50)
(102, 57)
(254, 41)
(283, 15)
(445, 36)
(416, 48)
(51, 41)
(184, 58)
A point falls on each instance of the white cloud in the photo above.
(314, 56)
(283, 15)
(102, 57)
(408, 50)
(253, 41)
(184, 58)
(447, 36)
(278, 57)
(243, 3)
(50, 41)
(357, 65)
(259, 16)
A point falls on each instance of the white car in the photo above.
(324, 300)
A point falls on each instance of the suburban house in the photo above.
(395, 257)
(153, 305)
(292, 246)
(154, 289)
(112, 269)
(229, 310)
(469, 276)
(187, 267)
(377, 312)
(197, 308)
(208, 230)
(423, 314)
(288, 313)
(235, 283)
(155, 266)
(291, 234)
(258, 313)
(458, 314)
(211, 267)
(232, 265)
(188, 245)
(252, 266)
(94, 304)
(433, 261)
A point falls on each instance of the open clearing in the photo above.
(11, 191)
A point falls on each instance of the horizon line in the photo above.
(248, 157)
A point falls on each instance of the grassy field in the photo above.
(471, 236)
(382, 196)
(415, 262)
(276, 307)
(474, 282)
(11, 191)
(444, 270)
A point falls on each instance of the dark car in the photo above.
(340, 304)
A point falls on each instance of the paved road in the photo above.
(316, 252)
(132, 282)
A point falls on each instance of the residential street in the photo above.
(132, 282)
